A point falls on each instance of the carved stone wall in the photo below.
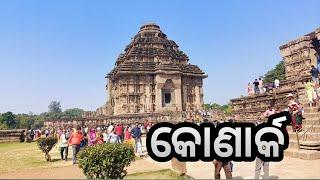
(102, 121)
(152, 76)
(298, 56)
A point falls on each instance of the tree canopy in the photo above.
(276, 73)
(9, 120)
(54, 107)
(227, 109)
(73, 113)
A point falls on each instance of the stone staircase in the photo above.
(309, 138)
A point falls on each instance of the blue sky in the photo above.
(61, 50)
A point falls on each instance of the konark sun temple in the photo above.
(152, 80)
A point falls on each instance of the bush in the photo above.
(106, 161)
(46, 144)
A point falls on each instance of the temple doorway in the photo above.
(168, 93)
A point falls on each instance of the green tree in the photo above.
(227, 109)
(25, 121)
(206, 106)
(215, 106)
(54, 107)
(38, 121)
(9, 120)
(73, 113)
(277, 73)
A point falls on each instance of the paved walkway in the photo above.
(288, 168)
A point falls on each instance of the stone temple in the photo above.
(151, 80)
(298, 56)
(152, 76)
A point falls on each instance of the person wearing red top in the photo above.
(127, 134)
(100, 139)
(119, 132)
(75, 141)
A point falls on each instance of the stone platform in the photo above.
(13, 135)
(298, 56)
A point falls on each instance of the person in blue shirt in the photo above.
(318, 61)
(314, 74)
(136, 134)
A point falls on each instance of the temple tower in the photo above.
(152, 76)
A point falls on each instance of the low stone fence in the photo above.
(250, 108)
(14, 135)
(101, 121)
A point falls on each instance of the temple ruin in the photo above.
(152, 80)
(153, 76)
(298, 56)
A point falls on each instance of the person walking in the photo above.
(46, 132)
(294, 110)
(261, 88)
(136, 134)
(127, 134)
(112, 137)
(314, 74)
(259, 163)
(250, 89)
(75, 141)
(218, 165)
(276, 83)
(92, 137)
(309, 92)
(256, 86)
(119, 133)
(32, 134)
(105, 135)
(63, 142)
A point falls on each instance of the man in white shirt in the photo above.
(110, 128)
(276, 83)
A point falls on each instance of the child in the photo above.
(100, 139)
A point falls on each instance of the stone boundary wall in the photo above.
(101, 121)
(250, 108)
(14, 135)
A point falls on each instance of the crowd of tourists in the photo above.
(80, 137)
(259, 87)
(34, 134)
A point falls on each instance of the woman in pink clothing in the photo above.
(92, 137)
(250, 89)
(127, 133)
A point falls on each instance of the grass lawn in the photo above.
(18, 156)
(161, 174)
